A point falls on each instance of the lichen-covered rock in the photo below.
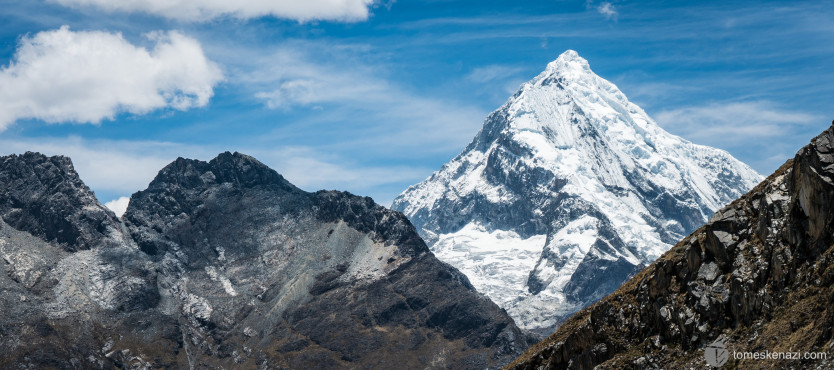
(759, 275)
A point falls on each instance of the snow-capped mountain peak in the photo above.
(568, 64)
(569, 161)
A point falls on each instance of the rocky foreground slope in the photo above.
(226, 264)
(757, 276)
(567, 191)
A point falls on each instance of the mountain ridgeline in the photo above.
(567, 191)
(227, 264)
(759, 276)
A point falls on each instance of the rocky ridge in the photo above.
(758, 276)
(226, 264)
(45, 197)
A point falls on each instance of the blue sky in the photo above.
(372, 97)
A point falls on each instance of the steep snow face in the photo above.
(486, 256)
(568, 163)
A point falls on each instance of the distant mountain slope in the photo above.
(566, 191)
(758, 276)
(226, 264)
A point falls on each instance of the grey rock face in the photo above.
(229, 265)
(758, 275)
(67, 270)
(44, 196)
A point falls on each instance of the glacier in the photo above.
(567, 190)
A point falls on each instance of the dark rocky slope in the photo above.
(69, 279)
(45, 197)
(758, 275)
(226, 264)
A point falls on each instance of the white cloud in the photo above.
(201, 10)
(733, 124)
(90, 76)
(118, 206)
(353, 92)
(607, 10)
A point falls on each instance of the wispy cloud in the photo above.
(607, 10)
(717, 24)
(347, 91)
(298, 80)
(492, 73)
(201, 10)
(734, 124)
(86, 77)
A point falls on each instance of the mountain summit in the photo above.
(567, 190)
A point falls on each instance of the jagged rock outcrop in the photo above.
(758, 276)
(44, 196)
(226, 264)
